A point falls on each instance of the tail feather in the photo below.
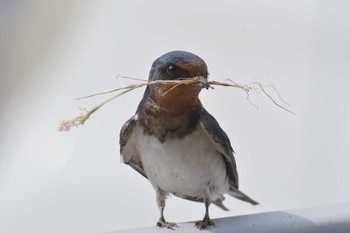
(219, 203)
(241, 196)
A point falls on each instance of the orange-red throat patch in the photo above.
(177, 98)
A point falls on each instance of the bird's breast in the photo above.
(189, 166)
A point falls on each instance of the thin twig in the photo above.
(132, 78)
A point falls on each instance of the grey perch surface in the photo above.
(323, 219)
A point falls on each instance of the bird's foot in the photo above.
(162, 223)
(204, 223)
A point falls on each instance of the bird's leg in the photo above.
(206, 220)
(161, 196)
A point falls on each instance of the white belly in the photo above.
(190, 166)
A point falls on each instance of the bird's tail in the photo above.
(241, 196)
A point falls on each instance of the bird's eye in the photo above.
(172, 69)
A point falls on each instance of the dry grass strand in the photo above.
(66, 125)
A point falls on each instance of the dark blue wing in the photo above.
(128, 152)
(220, 138)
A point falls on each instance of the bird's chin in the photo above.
(201, 81)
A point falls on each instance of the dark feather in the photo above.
(216, 133)
(132, 160)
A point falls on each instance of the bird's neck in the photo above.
(169, 117)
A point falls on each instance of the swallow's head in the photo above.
(177, 65)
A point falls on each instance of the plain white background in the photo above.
(54, 51)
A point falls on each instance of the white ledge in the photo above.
(324, 219)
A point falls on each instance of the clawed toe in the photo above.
(163, 223)
(204, 223)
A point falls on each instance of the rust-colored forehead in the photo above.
(194, 68)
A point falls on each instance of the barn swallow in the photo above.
(176, 144)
